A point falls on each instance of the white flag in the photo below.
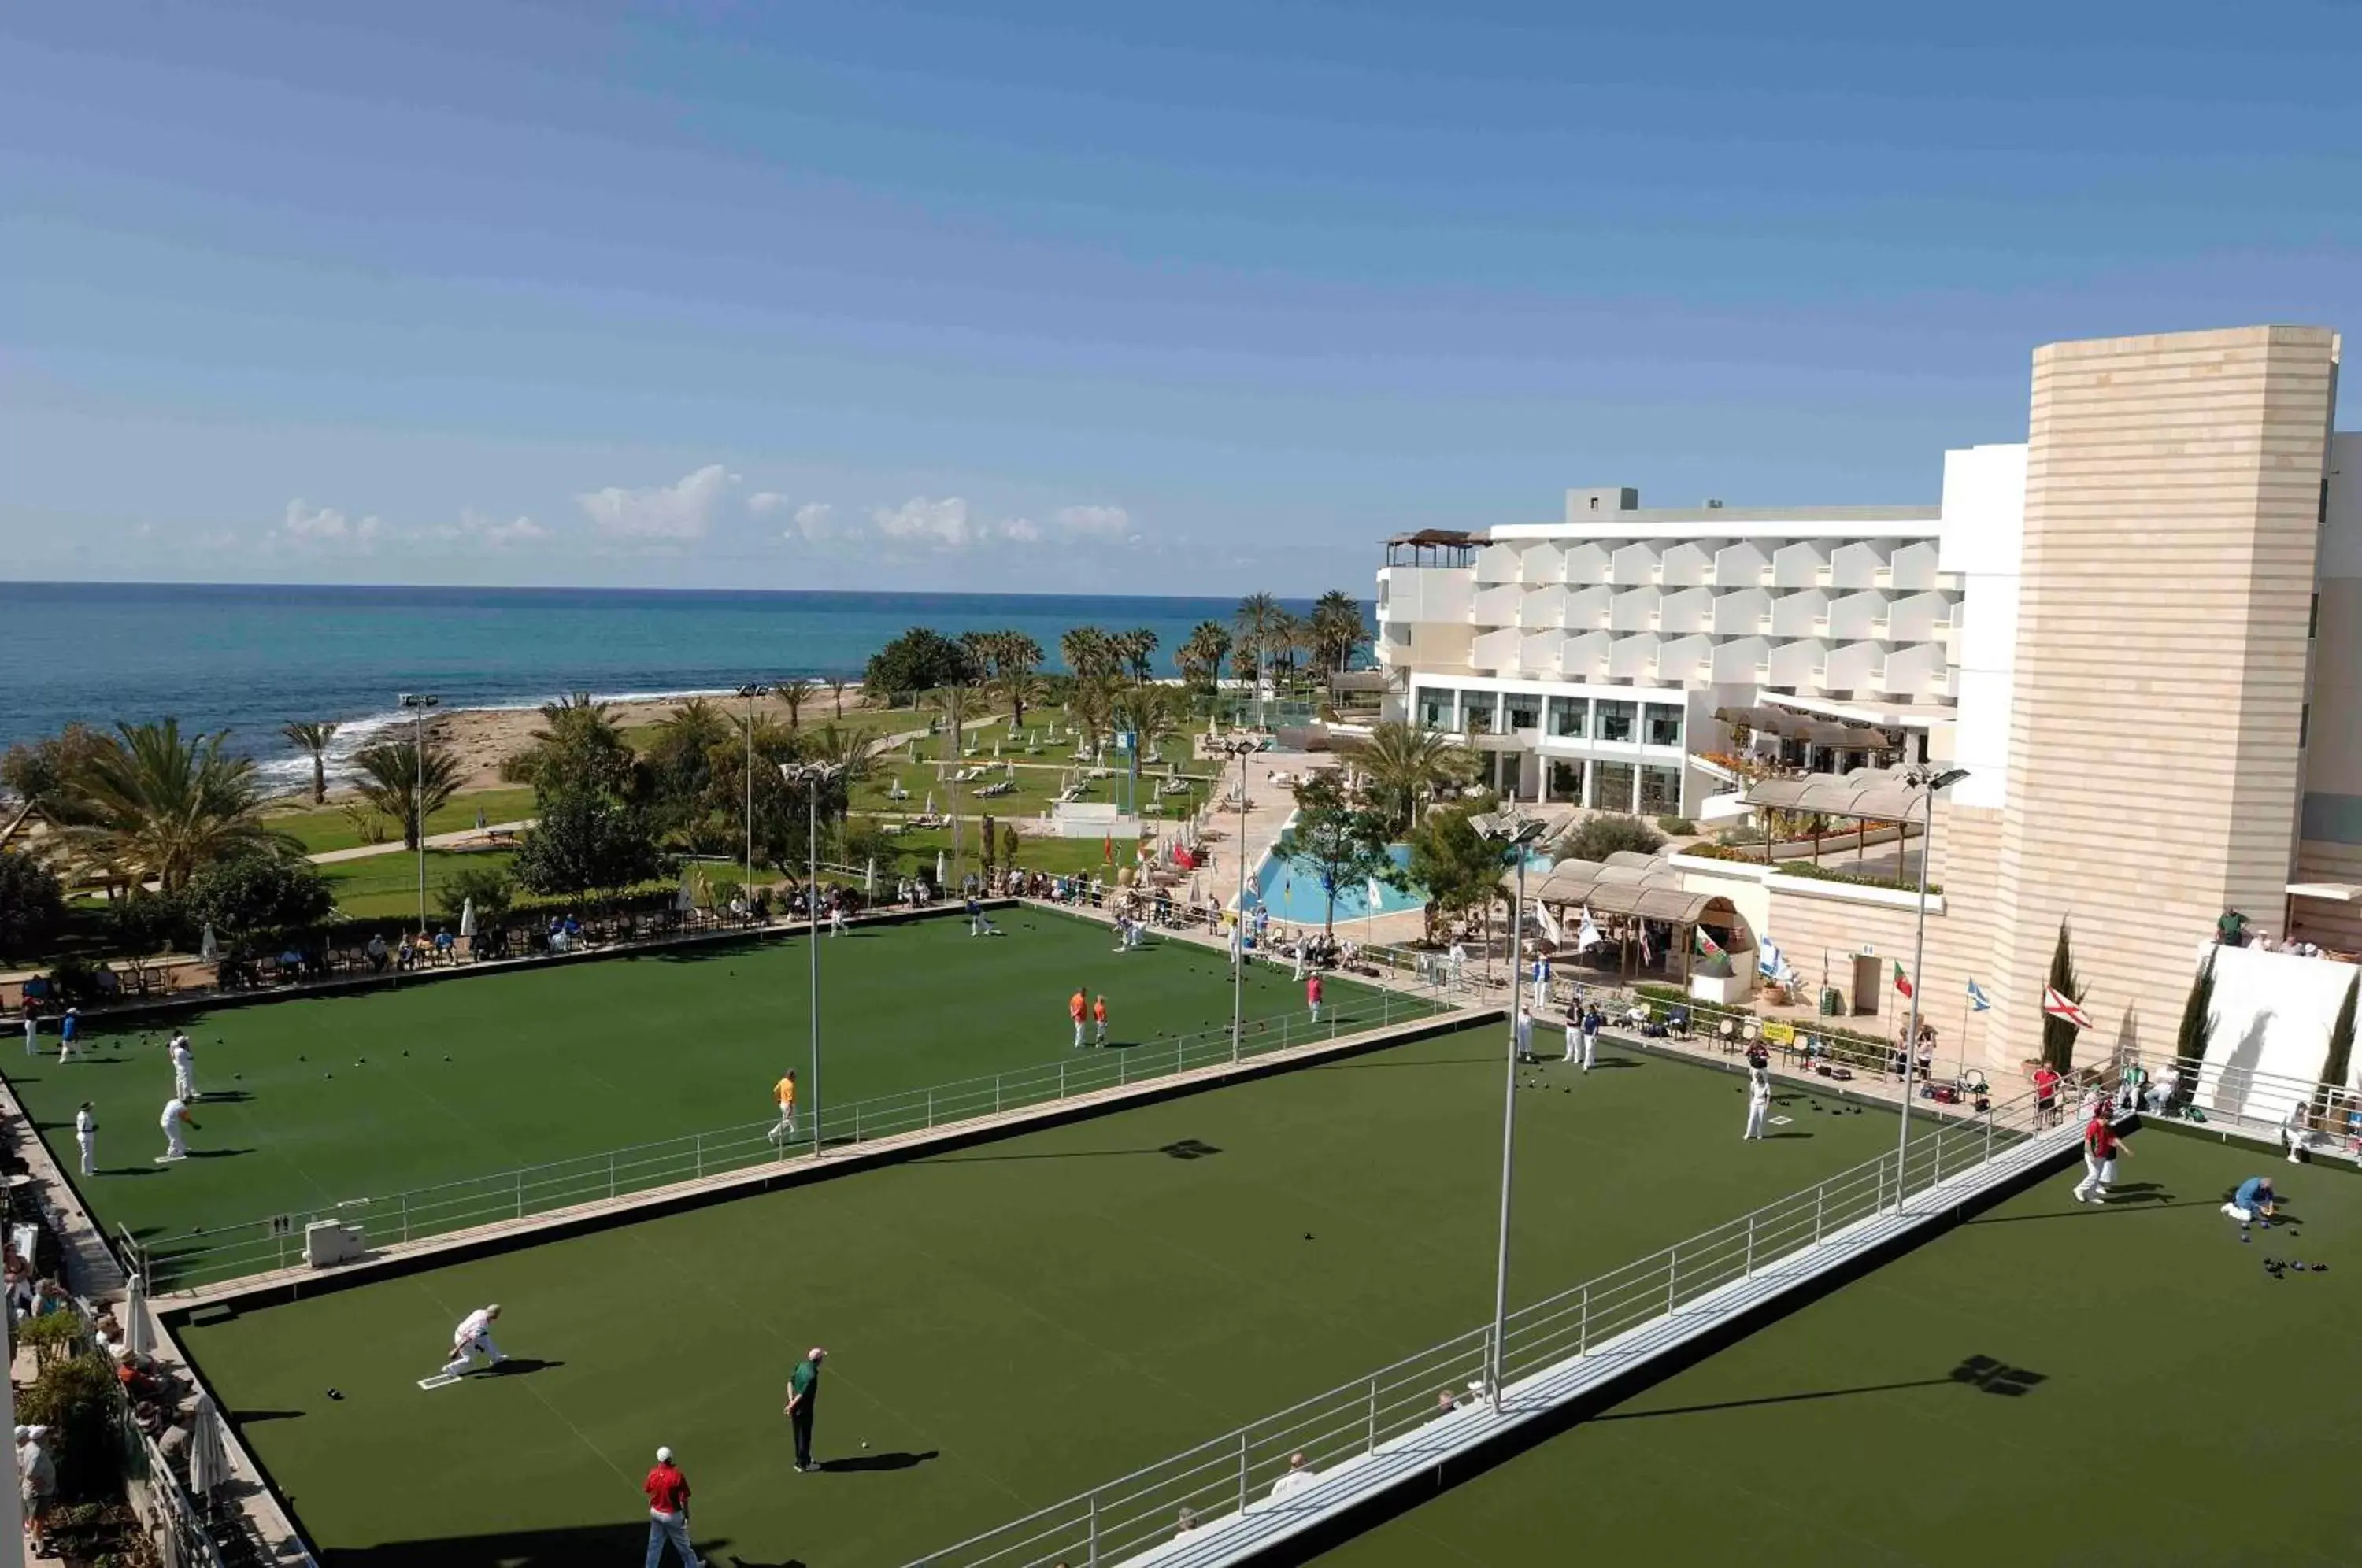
(1586, 936)
(1768, 959)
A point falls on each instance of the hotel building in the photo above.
(2139, 630)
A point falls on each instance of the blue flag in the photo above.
(1978, 1001)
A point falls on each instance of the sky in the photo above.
(1204, 298)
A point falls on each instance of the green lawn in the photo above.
(556, 1063)
(1036, 787)
(915, 850)
(1007, 1323)
(388, 884)
(2188, 1408)
(328, 828)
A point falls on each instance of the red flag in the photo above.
(1902, 980)
(2060, 1006)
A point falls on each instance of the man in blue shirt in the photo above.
(2254, 1200)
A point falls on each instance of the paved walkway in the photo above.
(465, 838)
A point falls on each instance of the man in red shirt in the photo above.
(1312, 996)
(2046, 1094)
(2100, 1147)
(667, 1491)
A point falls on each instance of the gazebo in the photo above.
(1626, 896)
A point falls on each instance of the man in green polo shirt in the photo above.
(803, 1394)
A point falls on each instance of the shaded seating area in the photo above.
(1648, 922)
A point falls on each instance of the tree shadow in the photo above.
(899, 1460)
(1185, 1149)
(1982, 1373)
(569, 1546)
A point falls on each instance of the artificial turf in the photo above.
(1007, 1323)
(2049, 1384)
(315, 1100)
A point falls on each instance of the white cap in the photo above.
(815, 1353)
(664, 1456)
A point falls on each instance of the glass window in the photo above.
(1661, 791)
(1565, 779)
(1435, 707)
(1663, 726)
(1525, 711)
(1611, 789)
(1614, 718)
(1570, 717)
(1476, 712)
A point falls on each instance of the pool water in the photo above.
(1291, 891)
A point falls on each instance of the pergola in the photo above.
(1867, 794)
(1627, 889)
(1432, 548)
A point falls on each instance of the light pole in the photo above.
(1512, 831)
(1928, 782)
(418, 703)
(811, 775)
(1240, 750)
(751, 690)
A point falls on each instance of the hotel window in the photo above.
(1476, 712)
(1664, 725)
(1570, 717)
(1435, 708)
(1565, 780)
(1661, 791)
(1612, 786)
(1525, 711)
(1615, 718)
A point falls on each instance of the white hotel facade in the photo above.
(2139, 630)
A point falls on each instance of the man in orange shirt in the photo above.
(1075, 1005)
(784, 1091)
(1098, 1016)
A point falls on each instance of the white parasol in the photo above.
(467, 918)
(139, 1334)
(208, 1459)
(206, 947)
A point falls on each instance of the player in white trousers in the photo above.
(473, 1338)
(69, 1033)
(1574, 1032)
(32, 1033)
(176, 1142)
(1525, 1030)
(86, 1138)
(184, 1067)
(1759, 1101)
(2100, 1147)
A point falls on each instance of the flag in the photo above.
(1770, 960)
(1586, 936)
(1106, 848)
(1978, 1001)
(1902, 980)
(1708, 946)
(2060, 1006)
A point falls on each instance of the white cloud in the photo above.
(1024, 530)
(764, 503)
(943, 523)
(308, 524)
(815, 520)
(660, 513)
(479, 528)
(1100, 522)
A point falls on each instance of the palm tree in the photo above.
(794, 692)
(1338, 630)
(1200, 656)
(1257, 619)
(836, 685)
(406, 783)
(152, 806)
(1139, 647)
(311, 736)
(1092, 705)
(1019, 687)
(852, 753)
(1289, 634)
(1400, 763)
(1090, 652)
(580, 737)
(1148, 712)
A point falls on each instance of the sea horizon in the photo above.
(247, 657)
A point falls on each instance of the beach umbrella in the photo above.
(206, 947)
(931, 804)
(208, 1458)
(686, 899)
(939, 868)
(139, 1334)
(467, 918)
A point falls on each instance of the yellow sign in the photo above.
(1777, 1034)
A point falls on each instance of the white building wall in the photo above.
(1981, 535)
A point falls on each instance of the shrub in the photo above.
(487, 887)
(1603, 836)
(32, 903)
(75, 981)
(257, 899)
(144, 922)
(75, 1398)
(1806, 868)
(1678, 827)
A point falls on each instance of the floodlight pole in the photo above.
(1513, 832)
(1928, 783)
(418, 703)
(750, 692)
(811, 775)
(1241, 750)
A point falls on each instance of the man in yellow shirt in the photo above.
(784, 1091)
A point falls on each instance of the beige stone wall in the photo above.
(2173, 490)
(2331, 924)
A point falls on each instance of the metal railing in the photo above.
(1215, 1481)
(218, 1254)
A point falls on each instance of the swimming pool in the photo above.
(1291, 891)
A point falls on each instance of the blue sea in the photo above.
(250, 659)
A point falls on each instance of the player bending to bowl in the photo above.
(2255, 1200)
(473, 1338)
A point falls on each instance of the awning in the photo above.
(1875, 794)
(2331, 892)
(1628, 883)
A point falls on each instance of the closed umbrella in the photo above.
(138, 1334)
(939, 868)
(685, 899)
(208, 1458)
(931, 803)
(206, 949)
(467, 918)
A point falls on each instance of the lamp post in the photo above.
(1240, 750)
(1512, 831)
(810, 776)
(1927, 781)
(751, 690)
(418, 703)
